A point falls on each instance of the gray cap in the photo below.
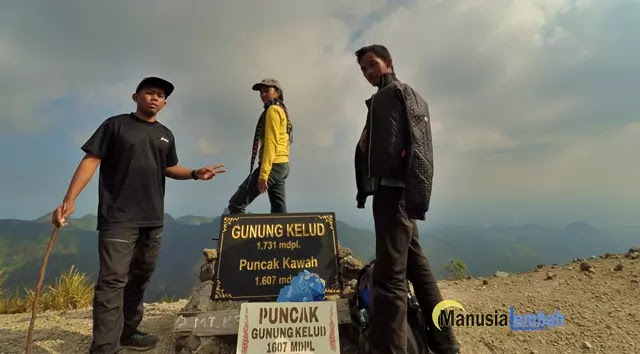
(267, 82)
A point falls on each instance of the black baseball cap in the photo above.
(153, 81)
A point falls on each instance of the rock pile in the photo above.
(349, 268)
(586, 267)
(200, 302)
(208, 268)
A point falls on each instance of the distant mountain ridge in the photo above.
(194, 220)
(484, 249)
(23, 242)
(90, 222)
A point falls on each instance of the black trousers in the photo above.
(127, 260)
(248, 190)
(399, 258)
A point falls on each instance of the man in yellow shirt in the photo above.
(273, 135)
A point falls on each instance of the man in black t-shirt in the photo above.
(135, 153)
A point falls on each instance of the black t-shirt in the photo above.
(134, 154)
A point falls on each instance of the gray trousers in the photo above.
(248, 190)
(128, 259)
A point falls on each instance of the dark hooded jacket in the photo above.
(399, 146)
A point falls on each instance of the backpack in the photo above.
(362, 311)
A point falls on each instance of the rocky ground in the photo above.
(601, 307)
(599, 298)
(69, 332)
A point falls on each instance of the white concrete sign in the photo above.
(288, 327)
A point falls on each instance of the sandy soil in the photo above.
(70, 331)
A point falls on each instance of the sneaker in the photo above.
(139, 341)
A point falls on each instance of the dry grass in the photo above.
(3, 278)
(72, 290)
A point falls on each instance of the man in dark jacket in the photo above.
(394, 163)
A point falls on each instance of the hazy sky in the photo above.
(534, 104)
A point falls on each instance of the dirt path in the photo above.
(600, 308)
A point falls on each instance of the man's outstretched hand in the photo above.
(208, 172)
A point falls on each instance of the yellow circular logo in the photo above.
(441, 306)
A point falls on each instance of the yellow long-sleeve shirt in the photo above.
(274, 147)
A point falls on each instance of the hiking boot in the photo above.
(138, 341)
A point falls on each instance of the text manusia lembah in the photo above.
(278, 230)
(449, 319)
(282, 263)
(515, 321)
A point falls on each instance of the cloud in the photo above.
(499, 80)
(206, 147)
(528, 98)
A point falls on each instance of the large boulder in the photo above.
(633, 253)
(207, 270)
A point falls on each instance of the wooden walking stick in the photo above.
(40, 281)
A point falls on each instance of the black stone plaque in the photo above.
(258, 254)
